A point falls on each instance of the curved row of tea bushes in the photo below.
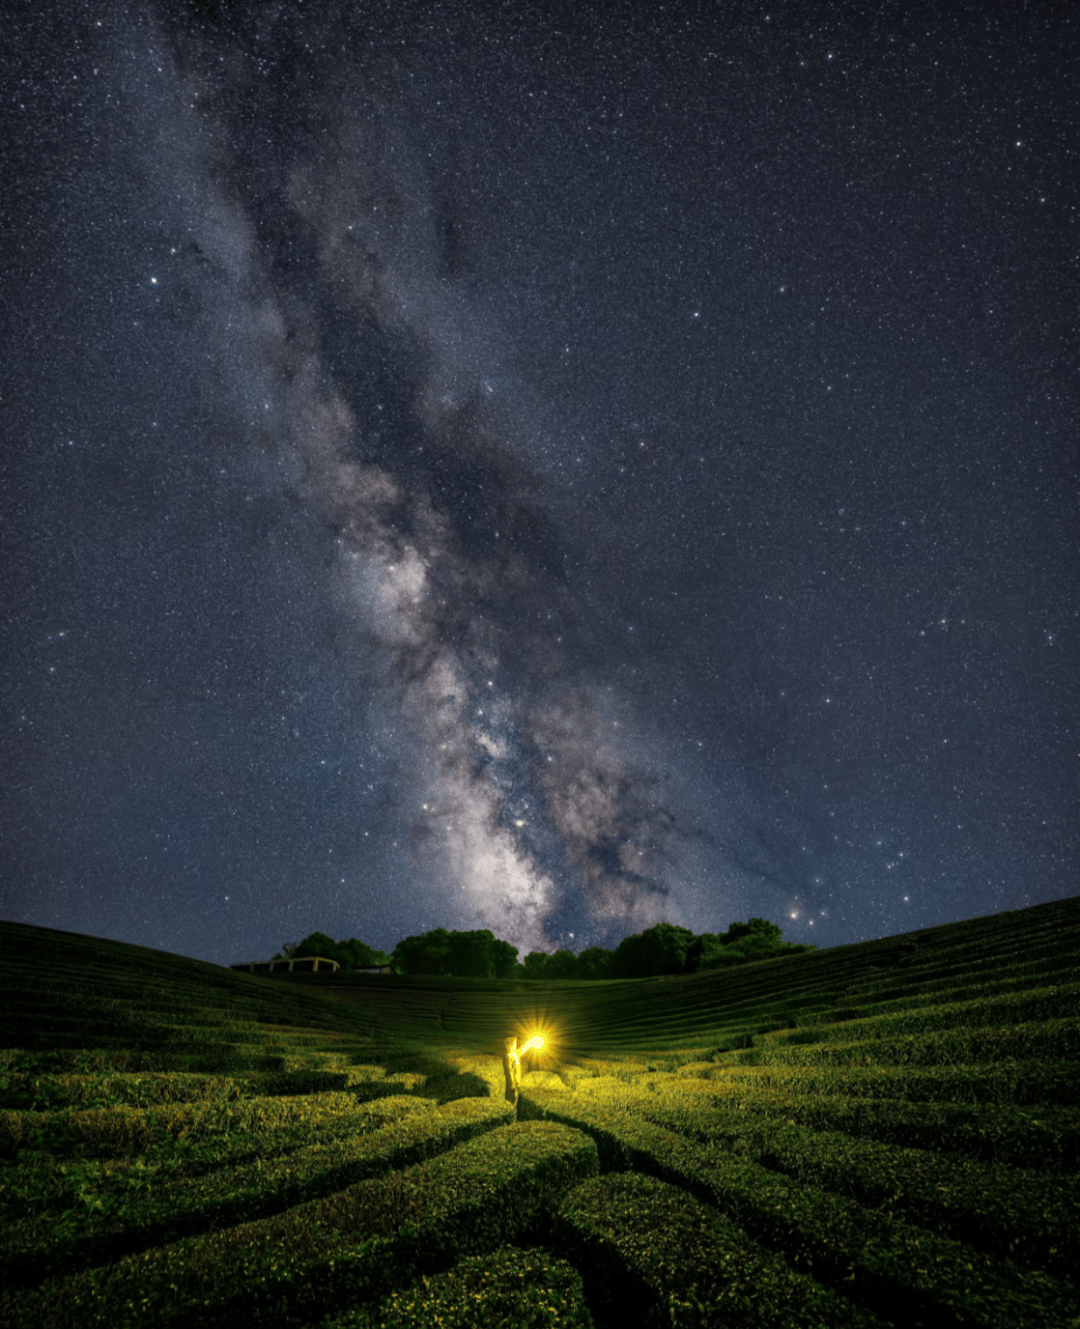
(821, 1013)
(139, 1004)
(281, 1122)
(894, 1267)
(27, 1091)
(45, 1177)
(1058, 1002)
(64, 969)
(1053, 1083)
(59, 1089)
(939, 1107)
(1051, 1040)
(119, 1221)
(1022, 1137)
(814, 990)
(989, 978)
(960, 968)
(39, 1010)
(643, 1244)
(138, 1012)
(358, 1243)
(146, 1054)
(508, 1289)
(1030, 1217)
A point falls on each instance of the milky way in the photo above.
(348, 348)
(537, 475)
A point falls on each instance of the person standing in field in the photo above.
(512, 1070)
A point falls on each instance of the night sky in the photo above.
(552, 468)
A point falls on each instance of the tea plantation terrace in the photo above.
(880, 1134)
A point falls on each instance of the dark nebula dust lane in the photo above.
(534, 470)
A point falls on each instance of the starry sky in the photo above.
(537, 466)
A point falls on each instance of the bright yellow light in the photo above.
(535, 1042)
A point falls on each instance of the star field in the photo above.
(545, 468)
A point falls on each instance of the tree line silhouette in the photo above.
(663, 949)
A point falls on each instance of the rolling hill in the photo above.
(879, 1134)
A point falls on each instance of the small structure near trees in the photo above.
(300, 963)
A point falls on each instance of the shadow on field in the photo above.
(441, 1082)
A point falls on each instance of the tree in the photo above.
(563, 964)
(361, 955)
(536, 964)
(320, 944)
(504, 958)
(703, 947)
(594, 962)
(757, 927)
(351, 954)
(742, 941)
(469, 954)
(659, 950)
(426, 953)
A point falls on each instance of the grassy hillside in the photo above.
(881, 1134)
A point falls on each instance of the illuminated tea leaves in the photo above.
(831, 1139)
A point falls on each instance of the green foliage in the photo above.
(997, 1208)
(663, 949)
(508, 1289)
(536, 964)
(756, 927)
(563, 964)
(748, 948)
(1007, 1082)
(667, 949)
(425, 953)
(357, 1242)
(118, 1222)
(504, 958)
(886, 1132)
(741, 942)
(220, 1127)
(989, 1133)
(470, 954)
(649, 1246)
(319, 944)
(659, 950)
(895, 1267)
(352, 954)
(477, 954)
(595, 962)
